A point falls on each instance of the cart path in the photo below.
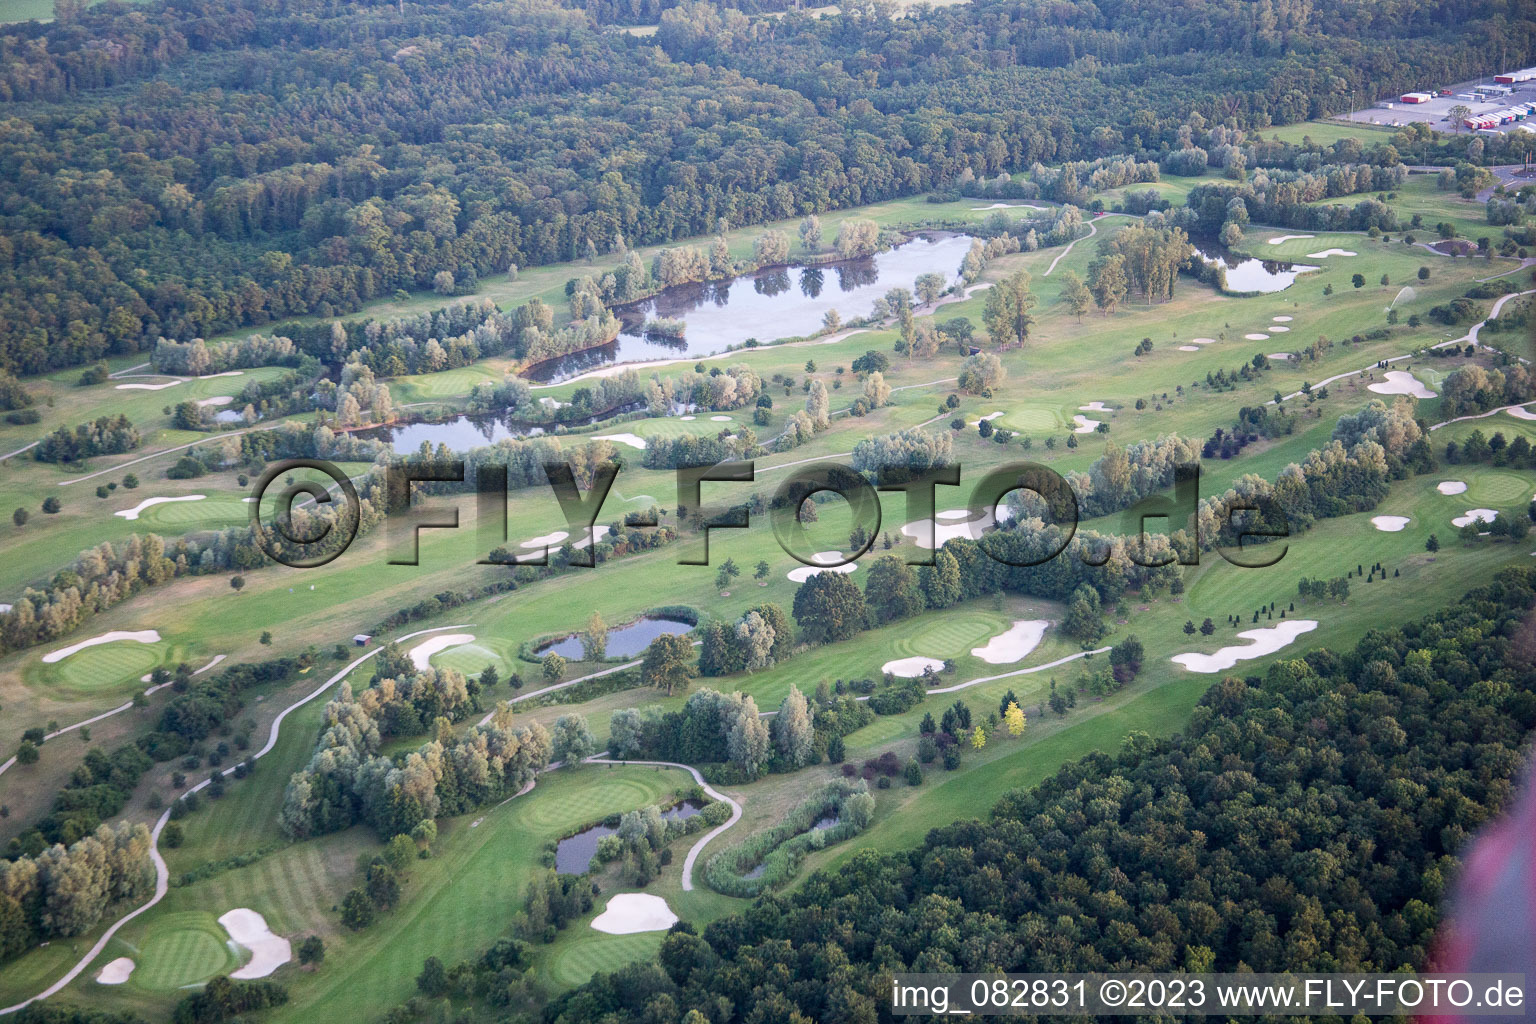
(162, 872)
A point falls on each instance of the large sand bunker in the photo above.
(268, 952)
(216, 400)
(1288, 238)
(143, 636)
(1013, 643)
(1256, 337)
(1267, 640)
(1390, 524)
(1475, 515)
(421, 654)
(546, 540)
(971, 529)
(1330, 252)
(633, 440)
(1401, 382)
(631, 912)
(911, 668)
(1084, 424)
(117, 972)
(1451, 486)
(1095, 407)
(133, 513)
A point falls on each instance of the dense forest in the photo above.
(185, 167)
(1309, 820)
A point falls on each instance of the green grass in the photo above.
(181, 949)
(109, 666)
(588, 952)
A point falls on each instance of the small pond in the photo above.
(623, 641)
(573, 855)
(682, 811)
(777, 302)
(1246, 274)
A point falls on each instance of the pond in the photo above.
(573, 854)
(460, 434)
(1246, 274)
(779, 302)
(682, 811)
(623, 641)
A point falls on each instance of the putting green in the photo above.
(1030, 421)
(1497, 488)
(108, 665)
(184, 949)
(471, 659)
(588, 952)
(949, 637)
(601, 791)
(183, 515)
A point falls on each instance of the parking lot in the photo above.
(1435, 113)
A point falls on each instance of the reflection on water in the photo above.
(624, 641)
(573, 854)
(781, 302)
(1246, 274)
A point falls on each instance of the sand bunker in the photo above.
(149, 387)
(1475, 515)
(1267, 640)
(954, 513)
(1282, 319)
(1256, 337)
(215, 400)
(1095, 407)
(133, 513)
(1084, 424)
(546, 540)
(422, 653)
(1288, 238)
(687, 419)
(631, 912)
(988, 416)
(970, 529)
(1401, 382)
(143, 636)
(1007, 206)
(1390, 524)
(268, 952)
(1330, 252)
(1203, 341)
(117, 972)
(1279, 329)
(1279, 355)
(911, 668)
(1014, 643)
(805, 572)
(1521, 413)
(632, 440)
(1451, 487)
(1189, 348)
(720, 419)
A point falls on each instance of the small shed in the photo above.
(361, 639)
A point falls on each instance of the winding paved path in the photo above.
(162, 872)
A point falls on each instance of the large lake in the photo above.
(783, 302)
